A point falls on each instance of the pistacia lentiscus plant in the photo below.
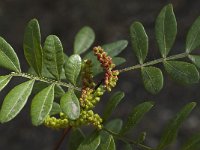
(65, 92)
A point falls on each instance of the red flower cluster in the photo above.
(110, 77)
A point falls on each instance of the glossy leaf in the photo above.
(182, 72)
(83, 40)
(53, 56)
(195, 60)
(193, 143)
(8, 57)
(172, 128)
(73, 68)
(75, 139)
(112, 104)
(90, 143)
(32, 46)
(114, 125)
(15, 100)
(4, 80)
(41, 105)
(193, 36)
(166, 29)
(139, 40)
(152, 79)
(55, 109)
(70, 105)
(135, 116)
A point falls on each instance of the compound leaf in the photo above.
(83, 40)
(152, 79)
(107, 142)
(70, 105)
(193, 36)
(135, 116)
(114, 125)
(171, 130)
(8, 57)
(41, 105)
(112, 104)
(182, 72)
(73, 68)
(32, 46)
(15, 101)
(55, 109)
(53, 56)
(139, 40)
(166, 29)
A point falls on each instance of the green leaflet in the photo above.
(112, 104)
(75, 139)
(182, 72)
(135, 116)
(171, 130)
(55, 109)
(195, 60)
(90, 143)
(166, 29)
(139, 40)
(70, 105)
(72, 68)
(107, 142)
(39, 86)
(114, 125)
(193, 36)
(8, 57)
(41, 105)
(15, 101)
(53, 56)
(152, 79)
(83, 40)
(193, 143)
(4, 81)
(32, 46)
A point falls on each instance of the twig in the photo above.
(66, 131)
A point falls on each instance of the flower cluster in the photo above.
(110, 78)
(56, 123)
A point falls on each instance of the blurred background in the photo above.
(110, 19)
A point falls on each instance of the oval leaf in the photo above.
(193, 36)
(170, 132)
(139, 40)
(114, 125)
(8, 57)
(15, 101)
(70, 105)
(112, 104)
(32, 46)
(166, 29)
(195, 60)
(75, 139)
(90, 143)
(182, 72)
(4, 81)
(41, 105)
(73, 68)
(107, 142)
(152, 79)
(53, 56)
(135, 116)
(83, 40)
(193, 143)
